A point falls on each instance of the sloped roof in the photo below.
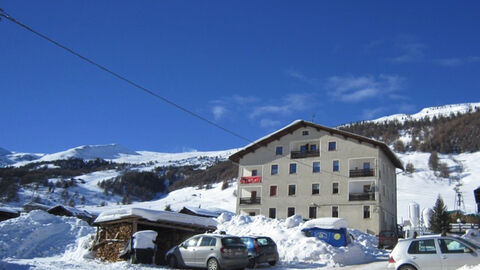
(302, 124)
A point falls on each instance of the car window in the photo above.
(422, 247)
(264, 241)
(451, 246)
(191, 242)
(232, 241)
(208, 242)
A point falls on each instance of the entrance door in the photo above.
(253, 196)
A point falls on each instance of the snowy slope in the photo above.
(430, 112)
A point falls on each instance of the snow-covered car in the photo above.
(433, 252)
(211, 251)
(261, 249)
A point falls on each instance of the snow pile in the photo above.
(39, 234)
(326, 223)
(294, 247)
(144, 239)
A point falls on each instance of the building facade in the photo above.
(314, 171)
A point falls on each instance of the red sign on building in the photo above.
(250, 179)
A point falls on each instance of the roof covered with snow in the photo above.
(203, 211)
(155, 216)
(301, 124)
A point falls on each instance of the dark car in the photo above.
(387, 239)
(261, 249)
(211, 251)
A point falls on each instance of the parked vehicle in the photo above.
(211, 251)
(433, 252)
(387, 239)
(261, 249)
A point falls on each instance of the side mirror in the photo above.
(182, 245)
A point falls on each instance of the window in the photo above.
(312, 212)
(303, 148)
(366, 211)
(334, 211)
(290, 211)
(335, 188)
(305, 132)
(274, 169)
(254, 172)
(315, 189)
(273, 191)
(293, 168)
(279, 151)
(332, 146)
(422, 247)
(291, 190)
(252, 214)
(451, 246)
(208, 242)
(316, 167)
(313, 147)
(191, 242)
(336, 165)
(272, 212)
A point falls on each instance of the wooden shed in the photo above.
(62, 210)
(116, 227)
(202, 212)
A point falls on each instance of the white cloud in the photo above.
(301, 77)
(289, 104)
(269, 123)
(449, 62)
(369, 114)
(355, 89)
(218, 111)
(411, 52)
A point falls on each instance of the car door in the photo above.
(187, 250)
(456, 254)
(424, 254)
(205, 248)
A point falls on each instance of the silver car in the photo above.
(211, 251)
(433, 252)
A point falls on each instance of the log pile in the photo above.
(111, 240)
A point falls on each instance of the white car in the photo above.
(433, 252)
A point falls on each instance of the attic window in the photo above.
(305, 132)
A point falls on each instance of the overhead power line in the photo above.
(123, 78)
(142, 88)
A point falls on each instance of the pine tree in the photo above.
(439, 220)
(444, 171)
(410, 168)
(433, 161)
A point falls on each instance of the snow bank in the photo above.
(144, 239)
(326, 223)
(294, 247)
(39, 234)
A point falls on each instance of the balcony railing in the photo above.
(366, 196)
(304, 154)
(250, 200)
(362, 172)
(250, 179)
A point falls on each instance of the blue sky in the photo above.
(250, 66)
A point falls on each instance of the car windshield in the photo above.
(232, 241)
(469, 243)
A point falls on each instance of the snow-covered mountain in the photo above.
(430, 112)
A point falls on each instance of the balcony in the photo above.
(250, 200)
(362, 173)
(364, 196)
(304, 154)
(250, 179)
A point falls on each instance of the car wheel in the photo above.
(272, 263)
(212, 264)
(407, 267)
(172, 261)
(251, 263)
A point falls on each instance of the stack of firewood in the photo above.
(113, 240)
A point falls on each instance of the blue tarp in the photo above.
(334, 237)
